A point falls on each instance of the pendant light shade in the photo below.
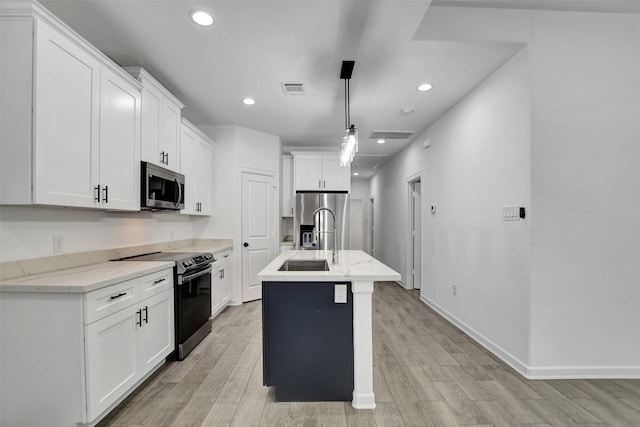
(349, 144)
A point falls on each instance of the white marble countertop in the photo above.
(84, 279)
(94, 276)
(351, 266)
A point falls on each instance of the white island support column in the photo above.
(363, 396)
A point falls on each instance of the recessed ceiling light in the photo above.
(356, 174)
(248, 101)
(381, 141)
(201, 17)
(424, 87)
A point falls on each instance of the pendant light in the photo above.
(349, 145)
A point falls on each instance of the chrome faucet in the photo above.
(335, 235)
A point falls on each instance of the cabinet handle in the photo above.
(106, 194)
(139, 314)
(96, 197)
(222, 274)
(167, 161)
(324, 184)
(146, 314)
(162, 157)
(319, 184)
(121, 294)
(155, 282)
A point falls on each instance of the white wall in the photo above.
(235, 148)
(556, 130)
(585, 298)
(360, 188)
(389, 189)
(479, 162)
(27, 232)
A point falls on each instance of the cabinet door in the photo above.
(119, 143)
(188, 169)
(227, 284)
(151, 118)
(67, 91)
(286, 186)
(170, 136)
(157, 330)
(334, 176)
(216, 291)
(111, 348)
(203, 176)
(308, 173)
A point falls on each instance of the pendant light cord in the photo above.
(348, 105)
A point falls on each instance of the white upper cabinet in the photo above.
(320, 172)
(196, 163)
(119, 143)
(70, 130)
(66, 105)
(161, 115)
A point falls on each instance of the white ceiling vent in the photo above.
(293, 88)
(391, 134)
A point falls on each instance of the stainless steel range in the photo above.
(192, 285)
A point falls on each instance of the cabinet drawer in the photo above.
(103, 302)
(154, 283)
(223, 258)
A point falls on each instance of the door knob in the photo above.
(245, 244)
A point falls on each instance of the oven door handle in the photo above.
(186, 278)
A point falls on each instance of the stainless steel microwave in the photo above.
(161, 189)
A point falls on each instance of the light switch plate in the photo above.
(340, 294)
(511, 213)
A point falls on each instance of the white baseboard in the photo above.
(584, 372)
(537, 373)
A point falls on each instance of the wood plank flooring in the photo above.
(426, 373)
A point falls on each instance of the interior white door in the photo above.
(417, 234)
(258, 230)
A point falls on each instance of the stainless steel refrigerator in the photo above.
(313, 228)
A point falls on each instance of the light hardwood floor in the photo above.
(426, 373)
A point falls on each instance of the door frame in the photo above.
(411, 180)
(237, 241)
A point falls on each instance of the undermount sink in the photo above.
(305, 265)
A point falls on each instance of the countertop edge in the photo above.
(142, 268)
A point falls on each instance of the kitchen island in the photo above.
(355, 270)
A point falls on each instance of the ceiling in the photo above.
(254, 46)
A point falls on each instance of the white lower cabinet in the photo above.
(123, 347)
(111, 359)
(221, 282)
(75, 356)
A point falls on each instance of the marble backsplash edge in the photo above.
(29, 267)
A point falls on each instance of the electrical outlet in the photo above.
(340, 294)
(454, 289)
(57, 244)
